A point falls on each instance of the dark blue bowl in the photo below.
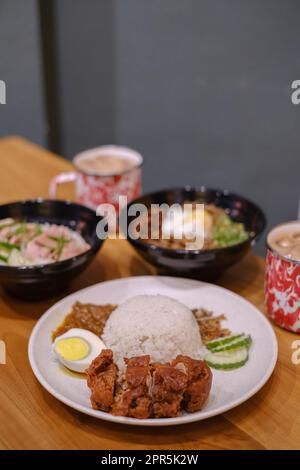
(206, 264)
(36, 282)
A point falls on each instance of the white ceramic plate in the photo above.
(229, 388)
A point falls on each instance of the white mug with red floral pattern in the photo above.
(92, 188)
(282, 276)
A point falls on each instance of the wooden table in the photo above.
(30, 418)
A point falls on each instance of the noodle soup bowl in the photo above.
(201, 264)
(45, 280)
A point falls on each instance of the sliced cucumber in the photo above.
(215, 343)
(241, 342)
(227, 360)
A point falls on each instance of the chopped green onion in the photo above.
(9, 246)
(38, 230)
(61, 242)
(227, 232)
(22, 228)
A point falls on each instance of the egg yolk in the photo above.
(72, 349)
(191, 216)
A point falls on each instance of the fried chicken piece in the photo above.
(156, 390)
(135, 400)
(167, 390)
(102, 376)
(199, 382)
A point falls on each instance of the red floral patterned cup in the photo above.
(282, 287)
(93, 189)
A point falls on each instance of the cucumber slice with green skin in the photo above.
(243, 342)
(227, 360)
(215, 343)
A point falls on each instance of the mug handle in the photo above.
(61, 178)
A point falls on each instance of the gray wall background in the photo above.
(200, 87)
(20, 68)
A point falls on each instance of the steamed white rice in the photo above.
(152, 324)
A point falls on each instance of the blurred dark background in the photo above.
(202, 88)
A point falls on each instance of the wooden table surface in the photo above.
(30, 418)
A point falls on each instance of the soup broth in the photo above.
(285, 240)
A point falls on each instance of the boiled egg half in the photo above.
(76, 348)
(182, 223)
